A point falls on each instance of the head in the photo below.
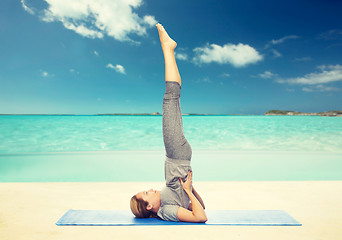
(145, 204)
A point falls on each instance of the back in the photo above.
(172, 195)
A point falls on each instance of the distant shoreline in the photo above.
(294, 113)
(269, 113)
(123, 114)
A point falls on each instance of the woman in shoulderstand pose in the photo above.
(178, 200)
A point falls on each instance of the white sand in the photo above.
(30, 210)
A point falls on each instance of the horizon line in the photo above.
(108, 114)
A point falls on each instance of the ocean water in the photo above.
(27, 134)
(225, 148)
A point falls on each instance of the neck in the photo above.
(156, 207)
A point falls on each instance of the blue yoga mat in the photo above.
(215, 217)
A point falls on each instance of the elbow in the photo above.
(200, 219)
(203, 220)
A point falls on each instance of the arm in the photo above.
(197, 214)
(198, 198)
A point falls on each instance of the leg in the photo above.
(176, 145)
(168, 46)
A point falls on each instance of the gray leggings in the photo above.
(176, 145)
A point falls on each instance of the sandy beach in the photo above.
(30, 210)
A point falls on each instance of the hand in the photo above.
(188, 183)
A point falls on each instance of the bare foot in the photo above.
(165, 40)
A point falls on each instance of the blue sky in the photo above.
(234, 57)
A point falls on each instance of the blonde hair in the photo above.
(138, 208)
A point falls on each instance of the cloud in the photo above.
(204, 79)
(95, 19)
(290, 90)
(83, 30)
(327, 74)
(319, 88)
(73, 71)
(281, 40)
(150, 20)
(238, 55)
(313, 82)
(276, 53)
(303, 59)
(225, 75)
(181, 56)
(118, 68)
(334, 34)
(268, 75)
(46, 74)
(26, 8)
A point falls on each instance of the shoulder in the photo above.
(168, 213)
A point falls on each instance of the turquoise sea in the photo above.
(130, 148)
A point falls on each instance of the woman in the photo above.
(172, 203)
